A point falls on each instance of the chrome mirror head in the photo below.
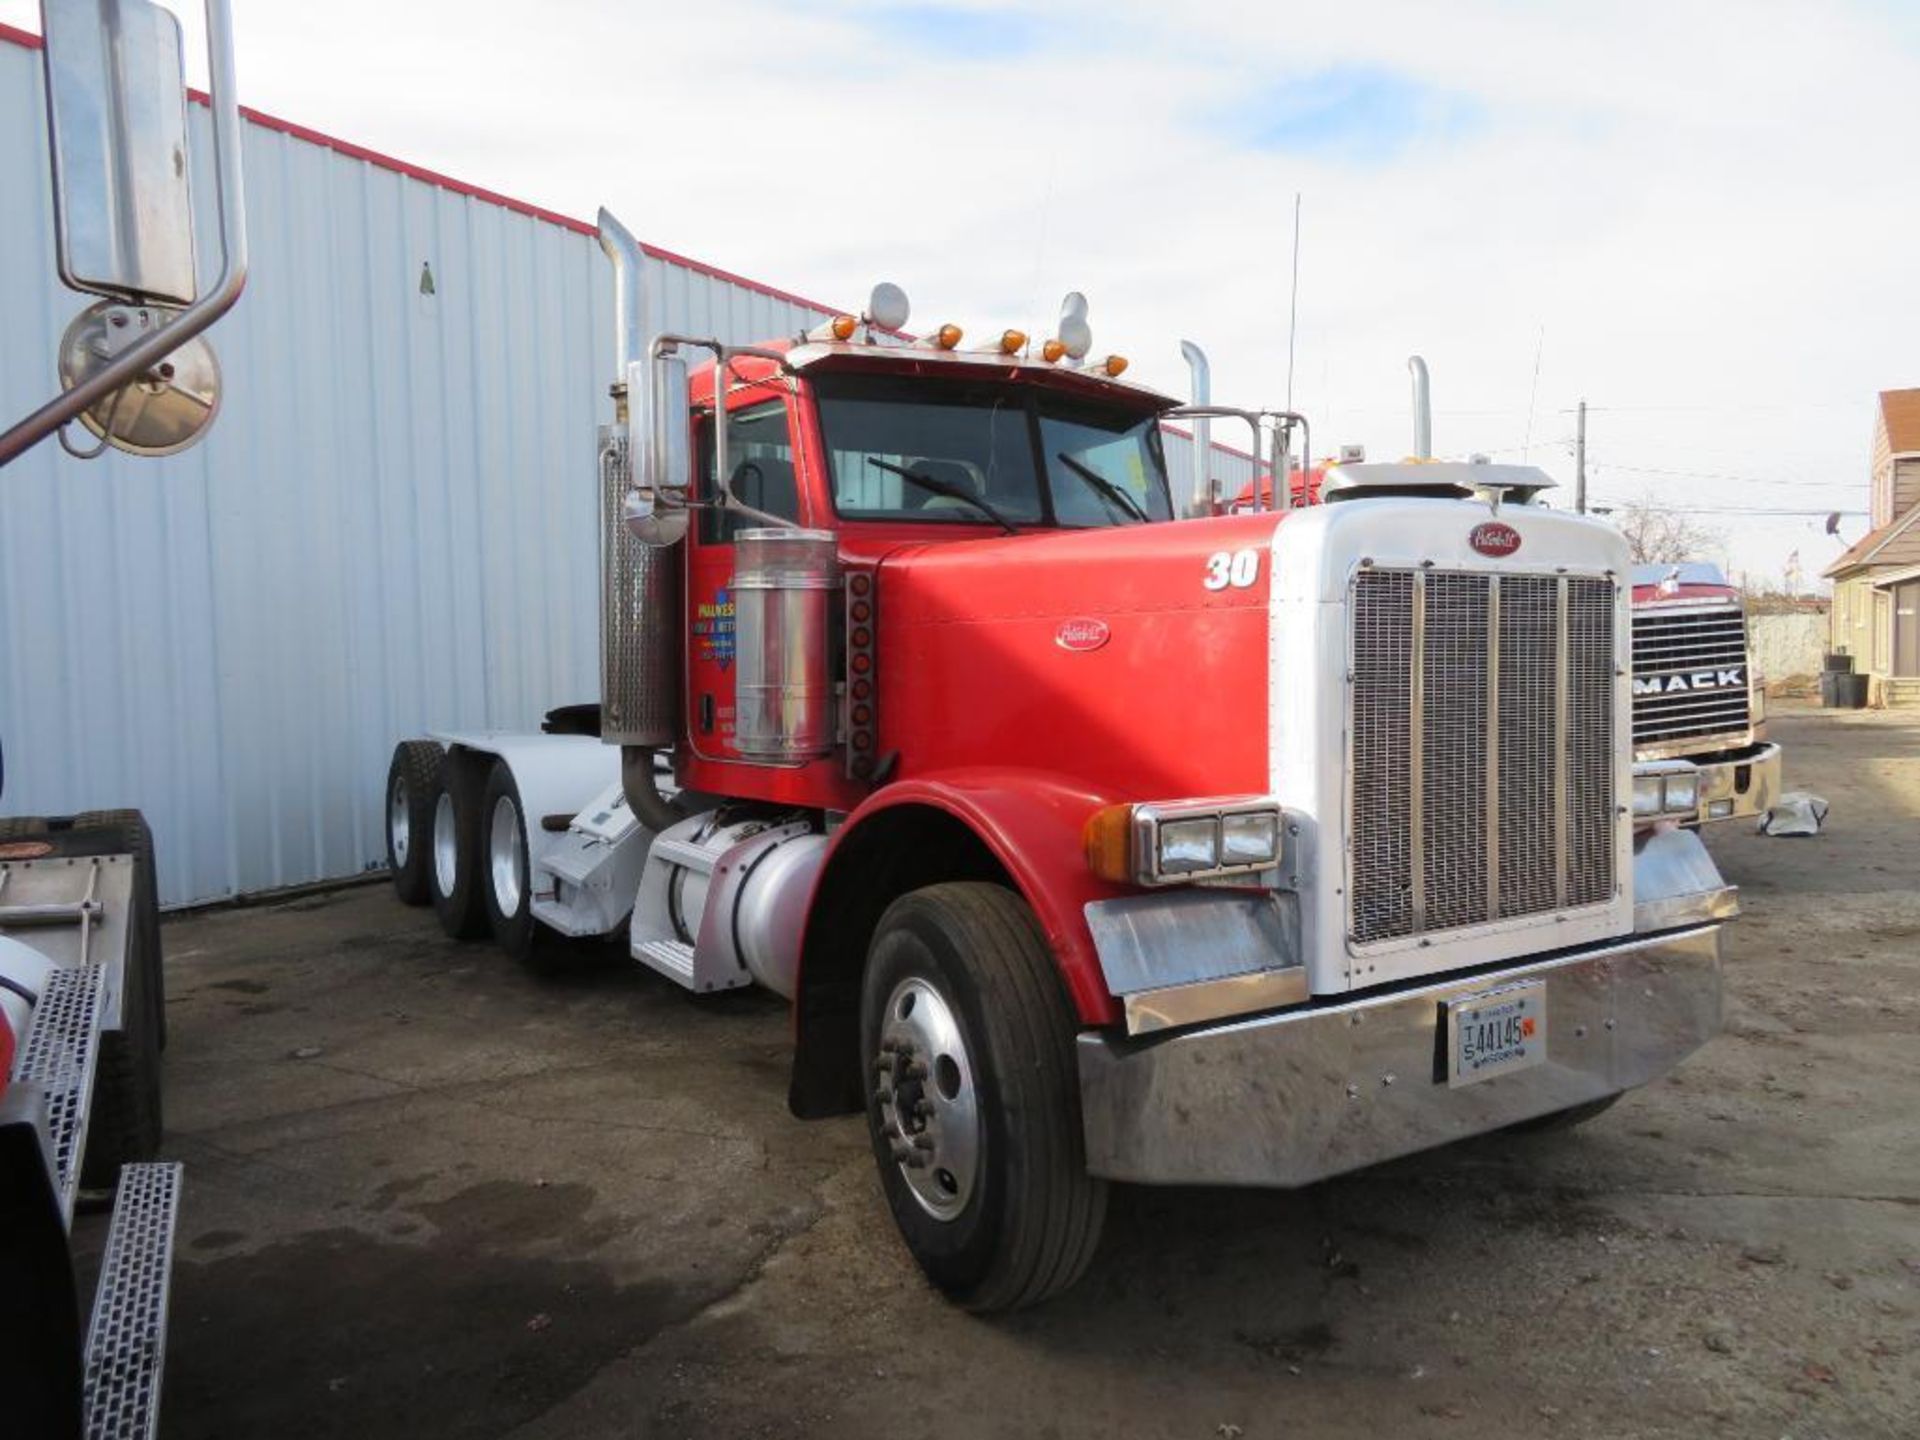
(164, 410)
(651, 522)
(117, 115)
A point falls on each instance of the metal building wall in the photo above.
(390, 527)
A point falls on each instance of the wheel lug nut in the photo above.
(923, 1142)
(904, 1155)
(889, 1045)
(923, 1108)
(915, 1161)
(884, 1094)
(917, 1070)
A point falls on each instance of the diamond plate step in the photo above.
(61, 1049)
(127, 1337)
(672, 958)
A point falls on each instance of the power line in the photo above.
(1711, 475)
(1727, 510)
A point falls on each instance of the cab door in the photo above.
(760, 453)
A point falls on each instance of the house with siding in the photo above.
(1876, 583)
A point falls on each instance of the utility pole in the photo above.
(1580, 461)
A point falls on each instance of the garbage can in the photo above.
(1851, 691)
(1839, 660)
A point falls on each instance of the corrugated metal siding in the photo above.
(390, 527)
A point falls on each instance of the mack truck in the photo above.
(82, 1003)
(1088, 844)
(1697, 697)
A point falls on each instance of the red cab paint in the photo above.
(1082, 633)
(1495, 538)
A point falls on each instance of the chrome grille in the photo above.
(1483, 740)
(1689, 673)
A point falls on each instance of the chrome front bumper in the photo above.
(1290, 1097)
(1739, 784)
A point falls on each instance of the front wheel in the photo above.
(972, 1098)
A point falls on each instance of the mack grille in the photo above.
(1483, 737)
(1689, 673)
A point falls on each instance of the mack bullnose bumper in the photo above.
(1294, 1096)
(1739, 784)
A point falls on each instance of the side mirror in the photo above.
(133, 371)
(117, 120)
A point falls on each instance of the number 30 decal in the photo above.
(1238, 568)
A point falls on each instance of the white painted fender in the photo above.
(555, 774)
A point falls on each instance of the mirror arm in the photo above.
(168, 338)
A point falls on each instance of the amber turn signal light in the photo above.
(1108, 838)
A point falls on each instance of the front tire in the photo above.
(973, 1103)
(454, 878)
(412, 780)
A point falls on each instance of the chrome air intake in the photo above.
(783, 597)
(1483, 749)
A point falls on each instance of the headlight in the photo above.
(1189, 845)
(1250, 838)
(1666, 790)
(1168, 842)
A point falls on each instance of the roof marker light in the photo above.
(947, 336)
(844, 326)
(1114, 365)
(1053, 351)
(1012, 342)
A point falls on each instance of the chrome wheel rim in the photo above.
(399, 828)
(446, 847)
(929, 1106)
(503, 856)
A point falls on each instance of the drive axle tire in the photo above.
(506, 875)
(454, 878)
(412, 781)
(973, 1101)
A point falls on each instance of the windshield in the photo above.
(983, 452)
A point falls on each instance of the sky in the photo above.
(1697, 216)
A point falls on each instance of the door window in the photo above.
(760, 455)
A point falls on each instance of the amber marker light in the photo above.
(1108, 838)
(1053, 351)
(844, 326)
(947, 336)
(1115, 365)
(1012, 342)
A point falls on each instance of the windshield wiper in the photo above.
(946, 488)
(1104, 486)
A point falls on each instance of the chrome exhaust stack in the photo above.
(640, 611)
(1201, 387)
(1422, 409)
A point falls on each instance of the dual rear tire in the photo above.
(457, 840)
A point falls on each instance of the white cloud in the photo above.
(1706, 206)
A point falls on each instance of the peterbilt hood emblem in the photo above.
(1082, 633)
(1495, 538)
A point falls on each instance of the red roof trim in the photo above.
(27, 40)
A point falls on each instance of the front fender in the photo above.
(1031, 821)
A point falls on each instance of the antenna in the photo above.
(1293, 305)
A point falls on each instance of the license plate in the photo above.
(1496, 1032)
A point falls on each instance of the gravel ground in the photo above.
(432, 1196)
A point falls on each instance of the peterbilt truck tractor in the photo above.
(1088, 844)
(82, 1008)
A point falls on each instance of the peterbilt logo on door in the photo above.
(1494, 538)
(1727, 679)
(1082, 634)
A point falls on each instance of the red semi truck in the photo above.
(1088, 844)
